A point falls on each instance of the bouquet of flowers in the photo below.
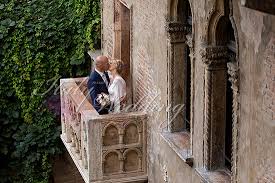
(103, 99)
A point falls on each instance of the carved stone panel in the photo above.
(111, 163)
(131, 161)
(130, 145)
(267, 6)
(110, 136)
(131, 134)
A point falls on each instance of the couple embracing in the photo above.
(106, 86)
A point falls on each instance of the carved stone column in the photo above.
(234, 79)
(190, 44)
(214, 59)
(176, 75)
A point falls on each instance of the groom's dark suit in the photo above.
(96, 85)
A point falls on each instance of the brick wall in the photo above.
(108, 30)
(146, 93)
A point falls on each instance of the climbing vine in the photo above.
(41, 41)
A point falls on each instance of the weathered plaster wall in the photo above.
(256, 40)
(256, 32)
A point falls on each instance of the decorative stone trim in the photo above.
(177, 31)
(173, 26)
(190, 43)
(233, 71)
(214, 57)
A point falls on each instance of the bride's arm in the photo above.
(120, 93)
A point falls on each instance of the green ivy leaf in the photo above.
(40, 39)
(2, 6)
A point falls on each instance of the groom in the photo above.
(98, 82)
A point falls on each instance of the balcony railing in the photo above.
(105, 148)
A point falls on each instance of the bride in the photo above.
(117, 87)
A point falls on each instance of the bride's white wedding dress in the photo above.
(117, 90)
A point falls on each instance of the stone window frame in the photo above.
(214, 58)
(180, 38)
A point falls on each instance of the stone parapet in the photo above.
(104, 148)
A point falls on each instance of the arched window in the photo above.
(221, 91)
(180, 69)
(227, 39)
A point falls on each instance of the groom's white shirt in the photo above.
(103, 76)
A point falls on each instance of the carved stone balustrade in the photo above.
(104, 148)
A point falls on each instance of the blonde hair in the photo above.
(119, 65)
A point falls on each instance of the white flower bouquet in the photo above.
(103, 99)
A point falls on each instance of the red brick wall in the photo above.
(146, 90)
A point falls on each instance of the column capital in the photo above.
(177, 31)
(214, 56)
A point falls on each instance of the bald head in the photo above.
(102, 63)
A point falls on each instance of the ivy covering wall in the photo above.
(40, 42)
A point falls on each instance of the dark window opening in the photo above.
(188, 91)
(184, 12)
(228, 127)
(189, 15)
(231, 43)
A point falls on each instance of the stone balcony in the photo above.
(105, 148)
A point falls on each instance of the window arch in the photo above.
(221, 96)
(180, 68)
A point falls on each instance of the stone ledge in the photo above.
(139, 179)
(217, 176)
(180, 143)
